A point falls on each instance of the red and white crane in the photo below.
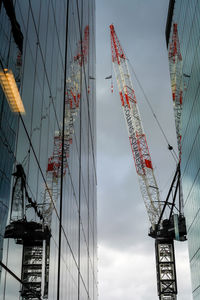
(176, 74)
(72, 105)
(164, 231)
(35, 235)
(137, 138)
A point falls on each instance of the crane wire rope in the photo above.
(173, 153)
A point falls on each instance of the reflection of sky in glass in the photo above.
(8, 122)
(187, 18)
(42, 91)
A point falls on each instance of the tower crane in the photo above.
(167, 220)
(35, 236)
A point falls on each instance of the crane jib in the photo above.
(136, 155)
(137, 137)
(133, 141)
(138, 144)
(128, 119)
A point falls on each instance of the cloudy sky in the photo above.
(126, 253)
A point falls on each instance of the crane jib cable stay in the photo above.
(163, 229)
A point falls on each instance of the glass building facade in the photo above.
(49, 203)
(8, 122)
(185, 15)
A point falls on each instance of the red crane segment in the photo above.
(117, 50)
(175, 66)
(174, 48)
(137, 138)
(83, 47)
(72, 104)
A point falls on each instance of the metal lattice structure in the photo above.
(36, 254)
(175, 66)
(137, 137)
(164, 231)
(53, 172)
(72, 105)
(35, 236)
(166, 272)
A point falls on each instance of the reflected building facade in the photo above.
(8, 120)
(48, 155)
(183, 27)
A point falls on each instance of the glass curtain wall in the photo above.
(10, 57)
(186, 15)
(56, 153)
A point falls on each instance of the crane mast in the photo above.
(164, 231)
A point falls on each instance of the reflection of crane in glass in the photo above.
(35, 235)
(175, 66)
(163, 230)
(72, 104)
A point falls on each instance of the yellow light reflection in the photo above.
(11, 91)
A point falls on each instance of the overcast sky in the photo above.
(126, 253)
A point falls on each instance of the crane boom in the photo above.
(72, 106)
(137, 137)
(176, 74)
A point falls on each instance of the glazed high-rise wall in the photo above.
(58, 59)
(186, 14)
(8, 122)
